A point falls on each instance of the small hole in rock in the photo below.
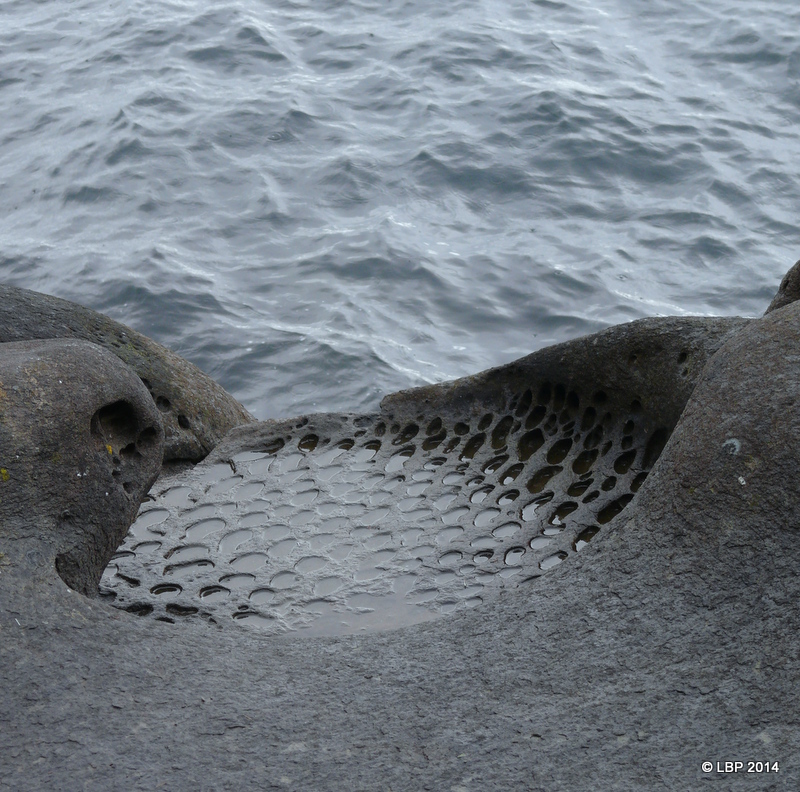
(578, 488)
(183, 422)
(500, 432)
(485, 422)
(434, 427)
(163, 404)
(140, 609)
(609, 484)
(585, 536)
(544, 394)
(473, 445)
(529, 444)
(613, 509)
(147, 437)
(273, 446)
(429, 443)
(494, 464)
(573, 402)
(584, 461)
(409, 432)
(589, 417)
(536, 416)
(511, 473)
(558, 451)
(524, 403)
(115, 424)
(623, 463)
(594, 437)
(655, 445)
(129, 451)
(309, 442)
(166, 588)
(539, 480)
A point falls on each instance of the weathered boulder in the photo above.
(196, 412)
(788, 291)
(81, 443)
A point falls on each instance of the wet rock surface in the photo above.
(196, 412)
(339, 523)
(669, 640)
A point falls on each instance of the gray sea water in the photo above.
(323, 202)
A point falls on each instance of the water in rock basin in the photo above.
(320, 203)
(341, 524)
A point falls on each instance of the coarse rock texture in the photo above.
(195, 410)
(331, 523)
(788, 291)
(80, 445)
(670, 640)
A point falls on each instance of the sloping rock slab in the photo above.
(195, 410)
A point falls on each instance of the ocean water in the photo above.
(323, 202)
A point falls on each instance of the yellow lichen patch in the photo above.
(4, 474)
(109, 449)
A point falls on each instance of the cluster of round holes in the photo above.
(383, 523)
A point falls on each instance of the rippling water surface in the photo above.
(322, 202)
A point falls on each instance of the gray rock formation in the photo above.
(667, 641)
(788, 291)
(333, 523)
(80, 445)
(195, 410)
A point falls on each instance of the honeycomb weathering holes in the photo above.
(116, 424)
(318, 530)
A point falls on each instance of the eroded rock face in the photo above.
(81, 443)
(196, 412)
(667, 642)
(788, 291)
(448, 496)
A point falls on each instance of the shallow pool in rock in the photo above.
(336, 524)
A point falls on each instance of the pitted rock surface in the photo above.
(669, 640)
(196, 412)
(80, 445)
(336, 523)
